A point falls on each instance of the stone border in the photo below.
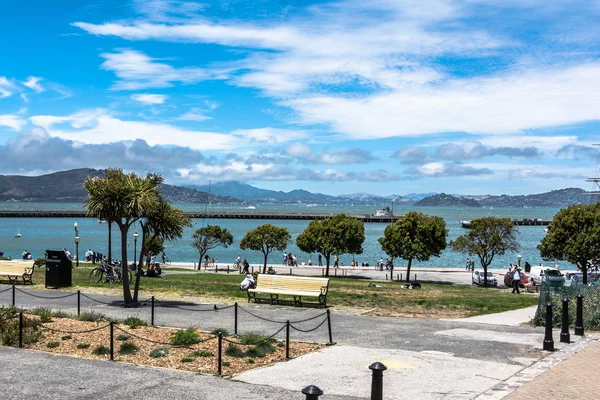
(526, 375)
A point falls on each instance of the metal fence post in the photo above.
(579, 316)
(329, 328)
(78, 303)
(401, 277)
(235, 315)
(220, 356)
(112, 343)
(13, 295)
(548, 340)
(565, 336)
(377, 380)
(21, 330)
(152, 313)
(312, 392)
(287, 340)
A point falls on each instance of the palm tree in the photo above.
(123, 199)
(164, 221)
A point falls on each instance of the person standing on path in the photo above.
(516, 280)
(336, 261)
(320, 260)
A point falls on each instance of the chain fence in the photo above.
(555, 294)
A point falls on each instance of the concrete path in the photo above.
(507, 318)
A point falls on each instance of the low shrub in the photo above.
(62, 314)
(134, 322)
(265, 347)
(186, 337)
(280, 344)
(52, 345)
(83, 345)
(158, 353)
(226, 363)
(101, 350)
(123, 337)
(9, 327)
(202, 353)
(250, 361)
(66, 337)
(128, 349)
(92, 316)
(234, 351)
(251, 338)
(255, 352)
(45, 313)
(224, 332)
(186, 360)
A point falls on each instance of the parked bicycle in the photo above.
(109, 272)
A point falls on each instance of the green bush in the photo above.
(66, 337)
(62, 314)
(52, 345)
(92, 316)
(158, 353)
(123, 337)
(224, 332)
(186, 360)
(250, 361)
(202, 353)
(280, 344)
(83, 345)
(186, 337)
(45, 313)
(134, 322)
(255, 352)
(226, 363)
(251, 338)
(101, 350)
(234, 351)
(128, 349)
(265, 347)
(9, 328)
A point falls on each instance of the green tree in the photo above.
(335, 235)
(414, 236)
(488, 237)
(265, 239)
(574, 236)
(123, 199)
(210, 237)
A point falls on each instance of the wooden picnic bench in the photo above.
(16, 273)
(296, 286)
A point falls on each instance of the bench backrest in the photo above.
(292, 283)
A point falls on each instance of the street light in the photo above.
(135, 236)
(76, 245)
(393, 201)
(519, 259)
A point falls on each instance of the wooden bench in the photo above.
(296, 286)
(15, 273)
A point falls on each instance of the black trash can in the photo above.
(527, 267)
(58, 269)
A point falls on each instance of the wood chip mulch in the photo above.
(206, 365)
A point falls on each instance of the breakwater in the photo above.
(197, 215)
(517, 222)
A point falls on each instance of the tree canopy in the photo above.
(414, 236)
(210, 237)
(488, 237)
(265, 239)
(340, 234)
(574, 236)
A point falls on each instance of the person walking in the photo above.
(320, 258)
(336, 261)
(516, 279)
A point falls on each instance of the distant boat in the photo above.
(250, 208)
(101, 221)
(311, 205)
(18, 235)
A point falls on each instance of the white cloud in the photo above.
(12, 121)
(150, 99)
(195, 114)
(33, 83)
(271, 135)
(6, 87)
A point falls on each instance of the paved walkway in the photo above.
(507, 318)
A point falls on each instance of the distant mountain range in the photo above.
(67, 186)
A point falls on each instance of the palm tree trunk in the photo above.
(109, 240)
(124, 268)
(138, 270)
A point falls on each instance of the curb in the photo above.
(526, 375)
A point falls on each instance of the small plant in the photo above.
(9, 327)
(224, 332)
(234, 351)
(187, 360)
(66, 337)
(280, 344)
(83, 345)
(128, 349)
(158, 353)
(52, 345)
(226, 363)
(251, 338)
(186, 337)
(134, 322)
(250, 361)
(123, 337)
(61, 314)
(265, 347)
(100, 350)
(202, 353)
(92, 316)
(255, 352)
(44, 313)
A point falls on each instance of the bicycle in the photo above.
(112, 270)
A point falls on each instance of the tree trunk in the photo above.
(327, 258)
(124, 268)
(109, 240)
(584, 269)
(485, 267)
(202, 253)
(407, 270)
(138, 270)
(265, 264)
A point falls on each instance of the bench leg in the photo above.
(274, 298)
(322, 301)
(251, 295)
(297, 301)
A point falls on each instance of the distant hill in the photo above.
(555, 198)
(446, 200)
(67, 186)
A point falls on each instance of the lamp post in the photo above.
(76, 245)
(135, 236)
(393, 201)
(519, 260)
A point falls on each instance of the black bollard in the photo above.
(312, 392)
(398, 277)
(548, 340)
(579, 316)
(565, 336)
(287, 340)
(112, 343)
(78, 303)
(227, 268)
(235, 319)
(13, 295)
(329, 328)
(386, 277)
(220, 356)
(401, 276)
(377, 380)
(21, 330)
(152, 313)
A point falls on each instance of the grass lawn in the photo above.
(390, 299)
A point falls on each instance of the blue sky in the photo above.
(336, 97)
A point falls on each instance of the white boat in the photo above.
(18, 235)
(101, 221)
(250, 208)
(384, 212)
(311, 205)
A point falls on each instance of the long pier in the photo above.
(212, 215)
(517, 222)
